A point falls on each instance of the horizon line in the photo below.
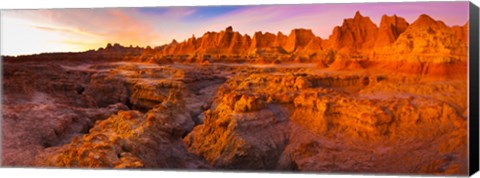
(220, 30)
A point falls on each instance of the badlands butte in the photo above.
(377, 99)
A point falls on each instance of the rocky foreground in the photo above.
(388, 99)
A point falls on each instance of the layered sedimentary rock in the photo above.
(213, 45)
(461, 32)
(28, 129)
(367, 99)
(357, 33)
(390, 28)
(262, 118)
(56, 103)
(129, 139)
(299, 39)
(428, 36)
(322, 123)
(427, 48)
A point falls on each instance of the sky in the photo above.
(65, 30)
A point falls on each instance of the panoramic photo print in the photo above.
(373, 88)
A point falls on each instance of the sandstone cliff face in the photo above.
(262, 42)
(357, 33)
(390, 28)
(239, 44)
(281, 39)
(427, 36)
(461, 32)
(230, 45)
(298, 39)
(427, 48)
(345, 61)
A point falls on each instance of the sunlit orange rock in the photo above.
(426, 48)
(128, 139)
(357, 33)
(367, 99)
(390, 28)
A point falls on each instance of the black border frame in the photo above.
(473, 89)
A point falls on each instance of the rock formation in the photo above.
(129, 139)
(389, 99)
(427, 48)
(357, 33)
(390, 28)
(308, 122)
